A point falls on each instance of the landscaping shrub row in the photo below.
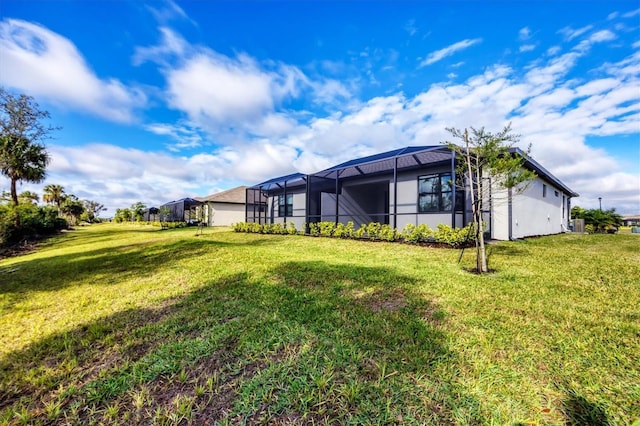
(443, 234)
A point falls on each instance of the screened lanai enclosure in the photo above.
(409, 185)
(184, 210)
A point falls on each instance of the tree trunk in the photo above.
(14, 192)
(482, 253)
(474, 207)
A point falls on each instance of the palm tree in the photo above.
(28, 197)
(22, 160)
(54, 194)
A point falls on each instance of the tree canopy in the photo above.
(483, 155)
(23, 156)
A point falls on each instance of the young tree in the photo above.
(23, 156)
(72, 208)
(137, 210)
(54, 194)
(165, 213)
(92, 209)
(485, 154)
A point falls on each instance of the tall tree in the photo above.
(23, 156)
(54, 194)
(485, 155)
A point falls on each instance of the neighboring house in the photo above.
(409, 185)
(184, 210)
(151, 215)
(225, 208)
(633, 220)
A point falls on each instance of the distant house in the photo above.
(631, 220)
(409, 185)
(225, 208)
(151, 215)
(183, 210)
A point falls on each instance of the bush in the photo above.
(454, 237)
(589, 229)
(344, 231)
(417, 234)
(387, 233)
(26, 221)
(326, 228)
(291, 228)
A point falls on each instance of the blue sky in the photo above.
(161, 100)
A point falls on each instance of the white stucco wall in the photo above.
(535, 214)
(225, 214)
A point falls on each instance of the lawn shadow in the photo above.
(580, 411)
(235, 343)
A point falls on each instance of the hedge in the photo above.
(375, 231)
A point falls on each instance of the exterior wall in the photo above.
(299, 209)
(499, 213)
(407, 201)
(535, 214)
(225, 214)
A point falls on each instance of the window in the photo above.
(556, 193)
(285, 205)
(435, 193)
(544, 190)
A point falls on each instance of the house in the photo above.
(224, 208)
(410, 185)
(631, 220)
(183, 210)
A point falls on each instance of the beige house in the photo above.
(225, 208)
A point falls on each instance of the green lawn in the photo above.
(114, 324)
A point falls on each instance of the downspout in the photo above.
(246, 209)
(337, 201)
(307, 204)
(510, 212)
(453, 195)
(285, 203)
(395, 193)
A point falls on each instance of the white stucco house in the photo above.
(224, 208)
(409, 185)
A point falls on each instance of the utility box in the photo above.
(578, 225)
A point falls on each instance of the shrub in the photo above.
(455, 237)
(589, 229)
(327, 228)
(373, 230)
(360, 232)
(387, 233)
(417, 234)
(291, 228)
(314, 229)
(344, 231)
(26, 221)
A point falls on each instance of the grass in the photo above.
(115, 324)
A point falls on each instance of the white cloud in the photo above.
(231, 96)
(242, 98)
(570, 33)
(48, 66)
(438, 55)
(524, 34)
(527, 47)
